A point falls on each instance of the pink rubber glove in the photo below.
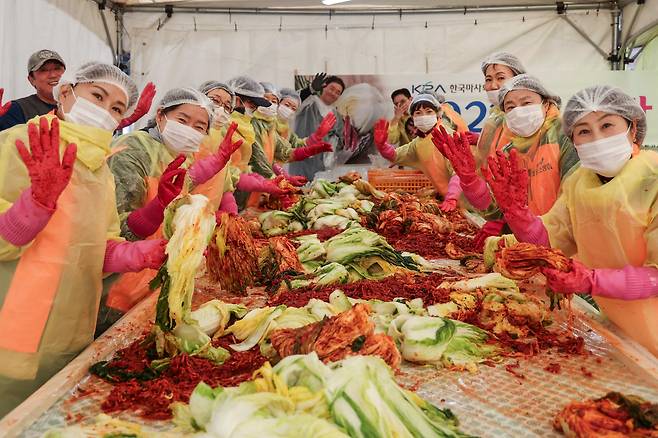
(457, 150)
(454, 190)
(228, 204)
(202, 170)
(142, 108)
(3, 108)
(49, 176)
(24, 220)
(318, 136)
(134, 256)
(491, 228)
(380, 138)
(145, 221)
(305, 152)
(295, 180)
(629, 283)
(253, 182)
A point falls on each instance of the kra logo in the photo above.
(542, 166)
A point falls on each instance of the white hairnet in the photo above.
(526, 82)
(289, 93)
(208, 86)
(270, 88)
(605, 99)
(180, 96)
(246, 86)
(99, 72)
(503, 58)
(432, 98)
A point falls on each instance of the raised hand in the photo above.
(143, 106)
(49, 175)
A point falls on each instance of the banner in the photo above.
(465, 92)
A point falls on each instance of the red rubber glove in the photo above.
(472, 137)
(49, 176)
(380, 137)
(204, 169)
(490, 228)
(305, 152)
(142, 108)
(145, 221)
(457, 150)
(509, 184)
(295, 180)
(134, 256)
(321, 132)
(3, 108)
(628, 283)
(578, 280)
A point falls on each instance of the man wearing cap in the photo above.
(44, 69)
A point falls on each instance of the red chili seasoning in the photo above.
(553, 368)
(396, 286)
(586, 372)
(511, 368)
(151, 399)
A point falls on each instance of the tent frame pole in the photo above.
(616, 61)
(591, 6)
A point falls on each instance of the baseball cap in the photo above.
(38, 59)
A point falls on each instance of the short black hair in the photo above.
(334, 79)
(403, 91)
(422, 104)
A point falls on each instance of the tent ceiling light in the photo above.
(333, 2)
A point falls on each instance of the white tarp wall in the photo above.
(178, 55)
(73, 28)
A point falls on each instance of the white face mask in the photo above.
(181, 138)
(493, 97)
(268, 111)
(84, 112)
(606, 156)
(425, 123)
(220, 116)
(285, 113)
(525, 120)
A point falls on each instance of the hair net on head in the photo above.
(100, 72)
(180, 96)
(208, 86)
(605, 99)
(526, 82)
(246, 86)
(432, 98)
(289, 93)
(270, 88)
(503, 58)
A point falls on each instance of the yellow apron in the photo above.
(614, 225)
(421, 154)
(267, 139)
(52, 287)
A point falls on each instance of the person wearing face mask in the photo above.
(151, 168)
(219, 189)
(59, 228)
(532, 115)
(606, 215)
(270, 148)
(420, 153)
(249, 96)
(497, 68)
(318, 101)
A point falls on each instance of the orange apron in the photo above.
(433, 164)
(131, 287)
(267, 142)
